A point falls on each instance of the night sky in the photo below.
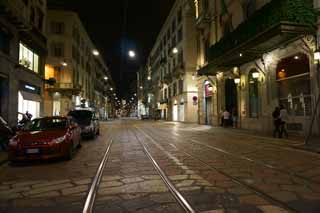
(110, 31)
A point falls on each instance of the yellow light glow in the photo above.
(49, 71)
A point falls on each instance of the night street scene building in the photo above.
(208, 106)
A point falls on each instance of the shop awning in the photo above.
(31, 96)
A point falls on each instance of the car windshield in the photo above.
(83, 117)
(47, 124)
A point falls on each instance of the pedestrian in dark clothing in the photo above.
(284, 120)
(276, 122)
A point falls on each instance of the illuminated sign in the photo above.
(30, 87)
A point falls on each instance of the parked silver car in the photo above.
(87, 120)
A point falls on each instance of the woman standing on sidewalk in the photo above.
(276, 122)
(284, 120)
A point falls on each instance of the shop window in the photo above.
(253, 95)
(293, 77)
(28, 58)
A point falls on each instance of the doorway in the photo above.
(231, 95)
(208, 110)
(175, 112)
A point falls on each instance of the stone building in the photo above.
(81, 75)
(254, 55)
(172, 64)
(23, 50)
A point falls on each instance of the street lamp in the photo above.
(64, 63)
(237, 80)
(131, 54)
(95, 52)
(149, 78)
(175, 50)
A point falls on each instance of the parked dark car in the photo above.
(87, 120)
(45, 138)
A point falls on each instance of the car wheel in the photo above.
(70, 153)
(79, 144)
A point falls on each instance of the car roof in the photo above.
(53, 117)
(83, 109)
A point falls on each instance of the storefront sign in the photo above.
(24, 86)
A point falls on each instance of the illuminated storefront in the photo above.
(29, 99)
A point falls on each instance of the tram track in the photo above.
(91, 196)
(257, 162)
(236, 180)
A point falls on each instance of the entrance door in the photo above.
(175, 113)
(181, 113)
(231, 95)
(208, 111)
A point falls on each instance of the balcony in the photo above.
(203, 20)
(16, 13)
(178, 70)
(64, 88)
(275, 24)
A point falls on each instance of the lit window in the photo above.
(28, 58)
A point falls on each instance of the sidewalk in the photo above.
(3, 157)
(294, 141)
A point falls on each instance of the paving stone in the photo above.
(151, 177)
(284, 196)
(179, 177)
(214, 211)
(215, 190)
(132, 180)
(195, 177)
(4, 187)
(47, 189)
(253, 200)
(190, 188)
(83, 181)
(46, 195)
(239, 190)
(75, 190)
(110, 178)
(133, 196)
(272, 209)
(50, 183)
(203, 183)
(142, 187)
(184, 183)
(295, 188)
(15, 190)
(110, 184)
(26, 183)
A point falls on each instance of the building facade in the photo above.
(81, 75)
(23, 49)
(172, 66)
(253, 56)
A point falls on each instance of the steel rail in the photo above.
(88, 206)
(177, 195)
(234, 179)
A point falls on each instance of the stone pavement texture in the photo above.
(215, 169)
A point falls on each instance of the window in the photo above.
(180, 57)
(174, 89)
(57, 27)
(28, 58)
(4, 42)
(180, 35)
(57, 49)
(180, 86)
(40, 19)
(165, 93)
(294, 87)
(179, 18)
(253, 95)
(173, 26)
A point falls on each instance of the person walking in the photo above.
(226, 118)
(284, 117)
(276, 122)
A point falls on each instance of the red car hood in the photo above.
(41, 136)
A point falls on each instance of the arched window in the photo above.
(293, 77)
(253, 95)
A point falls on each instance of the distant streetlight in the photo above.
(141, 87)
(111, 89)
(106, 78)
(64, 63)
(149, 78)
(95, 52)
(131, 54)
(175, 50)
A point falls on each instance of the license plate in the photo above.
(32, 151)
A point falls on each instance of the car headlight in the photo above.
(59, 140)
(14, 141)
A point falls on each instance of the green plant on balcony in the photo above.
(295, 12)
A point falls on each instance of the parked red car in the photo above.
(45, 138)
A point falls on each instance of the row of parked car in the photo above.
(53, 137)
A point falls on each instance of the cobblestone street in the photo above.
(216, 170)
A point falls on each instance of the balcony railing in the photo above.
(63, 87)
(16, 12)
(276, 23)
